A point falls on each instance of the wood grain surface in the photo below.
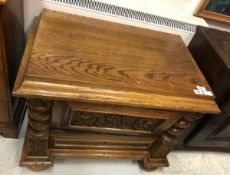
(79, 58)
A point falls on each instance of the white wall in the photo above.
(176, 9)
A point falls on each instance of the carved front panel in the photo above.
(114, 121)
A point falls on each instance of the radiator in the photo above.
(115, 13)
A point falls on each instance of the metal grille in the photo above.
(127, 13)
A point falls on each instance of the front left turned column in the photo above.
(35, 154)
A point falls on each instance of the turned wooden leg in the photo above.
(35, 153)
(157, 156)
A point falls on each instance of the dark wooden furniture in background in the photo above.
(11, 50)
(203, 12)
(211, 50)
(106, 90)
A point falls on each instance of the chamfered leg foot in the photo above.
(164, 144)
(150, 164)
(37, 166)
(35, 154)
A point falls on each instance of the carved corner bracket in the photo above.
(157, 156)
(35, 154)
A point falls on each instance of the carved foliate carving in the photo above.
(37, 147)
(102, 120)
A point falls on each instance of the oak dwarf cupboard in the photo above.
(97, 89)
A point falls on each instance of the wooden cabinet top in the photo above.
(220, 42)
(77, 58)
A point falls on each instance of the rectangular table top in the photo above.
(71, 57)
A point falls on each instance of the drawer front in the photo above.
(111, 122)
(103, 118)
(95, 145)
